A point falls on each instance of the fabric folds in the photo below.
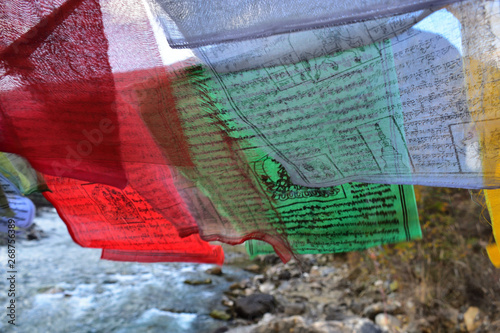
(482, 68)
(391, 112)
(106, 217)
(197, 23)
(251, 196)
(58, 92)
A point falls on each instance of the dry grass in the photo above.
(448, 270)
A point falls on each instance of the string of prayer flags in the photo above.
(300, 124)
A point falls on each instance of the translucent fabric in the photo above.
(251, 196)
(162, 256)
(17, 178)
(237, 209)
(57, 89)
(481, 43)
(193, 23)
(68, 99)
(393, 112)
(106, 217)
(70, 96)
(350, 217)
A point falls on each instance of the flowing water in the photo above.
(62, 287)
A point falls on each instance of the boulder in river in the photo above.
(221, 315)
(214, 271)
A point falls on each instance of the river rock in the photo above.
(314, 272)
(253, 268)
(374, 309)
(358, 304)
(285, 275)
(50, 290)
(331, 326)
(221, 315)
(214, 271)
(237, 285)
(335, 312)
(34, 232)
(258, 279)
(293, 309)
(361, 325)
(472, 319)
(227, 302)
(449, 316)
(295, 324)
(198, 282)
(254, 306)
(266, 287)
(234, 293)
(388, 322)
(351, 325)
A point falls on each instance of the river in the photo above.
(62, 287)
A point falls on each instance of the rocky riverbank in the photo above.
(325, 295)
(443, 283)
(314, 298)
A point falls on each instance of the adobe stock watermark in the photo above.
(11, 272)
(84, 148)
